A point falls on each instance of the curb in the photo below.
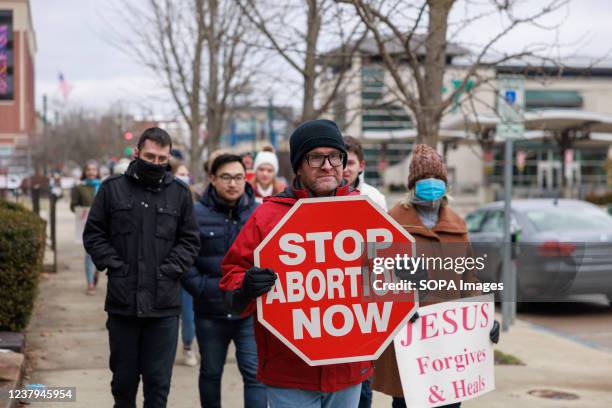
(14, 364)
(567, 336)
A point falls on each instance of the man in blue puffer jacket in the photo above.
(224, 208)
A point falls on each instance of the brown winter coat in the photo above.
(450, 229)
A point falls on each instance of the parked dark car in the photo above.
(564, 247)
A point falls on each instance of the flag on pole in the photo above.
(65, 87)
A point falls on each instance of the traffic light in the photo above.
(128, 136)
(128, 152)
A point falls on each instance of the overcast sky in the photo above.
(72, 39)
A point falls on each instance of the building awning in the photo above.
(545, 120)
(538, 125)
(566, 119)
(408, 135)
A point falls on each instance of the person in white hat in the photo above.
(265, 183)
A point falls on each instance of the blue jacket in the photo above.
(219, 226)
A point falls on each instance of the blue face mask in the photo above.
(184, 179)
(430, 189)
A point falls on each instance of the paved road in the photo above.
(587, 320)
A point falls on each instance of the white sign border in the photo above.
(483, 298)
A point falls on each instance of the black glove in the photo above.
(407, 274)
(494, 333)
(419, 275)
(414, 317)
(257, 281)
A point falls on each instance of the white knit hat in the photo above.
(266, 158)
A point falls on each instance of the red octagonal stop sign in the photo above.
(316, 306)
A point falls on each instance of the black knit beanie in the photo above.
(312, 134)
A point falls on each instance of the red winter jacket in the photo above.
(278, 366)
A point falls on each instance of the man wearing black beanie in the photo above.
(318, 157)
(312, 134)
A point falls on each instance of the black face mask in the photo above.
(150, 174)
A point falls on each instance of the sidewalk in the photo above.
(552, 363)
(68, 346)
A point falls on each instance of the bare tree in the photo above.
(197, 50)
(297, 31)
(413, 40)
(82, 135)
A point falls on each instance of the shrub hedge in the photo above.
(22, 246)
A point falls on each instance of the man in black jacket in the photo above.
(142, 229)
(224, 208)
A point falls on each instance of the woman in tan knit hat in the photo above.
(426, 215)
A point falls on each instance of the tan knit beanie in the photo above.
(426, 162)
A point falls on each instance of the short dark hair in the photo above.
(157, 135)
(223, 159)
(177, 154)
(354, 145)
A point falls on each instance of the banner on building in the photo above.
(6, 55)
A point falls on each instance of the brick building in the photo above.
(17, 101)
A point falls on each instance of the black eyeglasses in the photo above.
(226, 178)
(316, 160)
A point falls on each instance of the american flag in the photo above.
(65, 87)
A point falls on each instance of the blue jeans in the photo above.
(365, 397)
(296, 398)
(214, 337)
(90, 269)
(187, 319)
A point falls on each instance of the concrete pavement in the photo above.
(552, 363)
(68, 346)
